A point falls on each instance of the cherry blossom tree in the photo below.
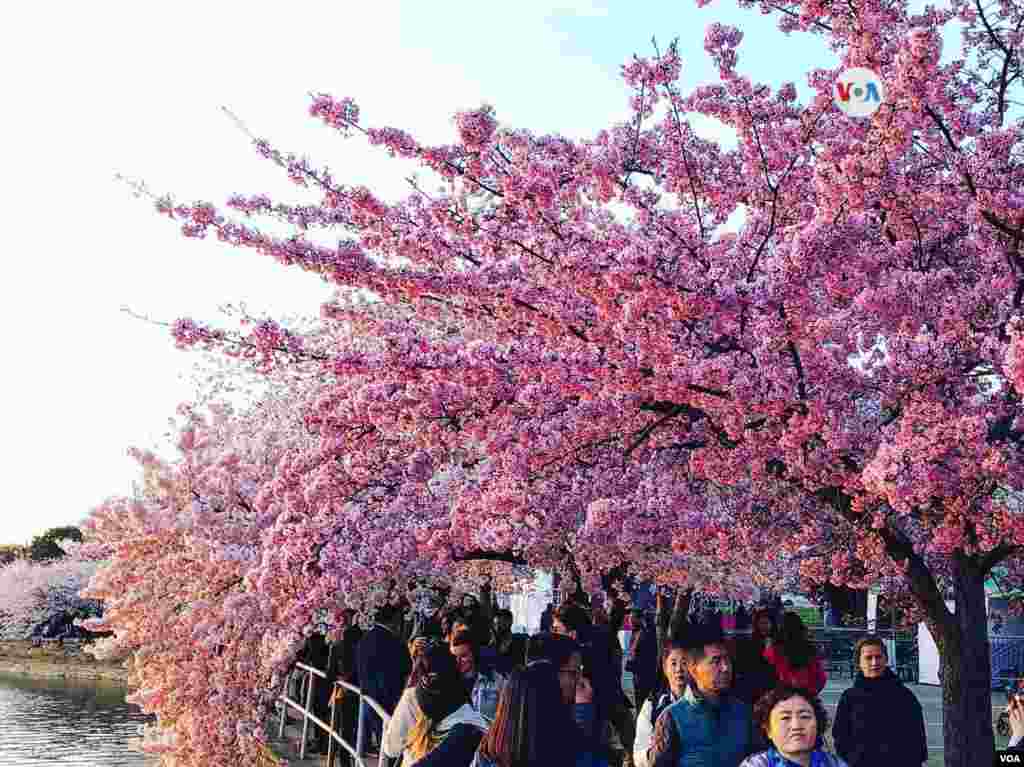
(570, 358)
(175, 589)
(32, 592)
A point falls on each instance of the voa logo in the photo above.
(859, 92)
(1011, 758)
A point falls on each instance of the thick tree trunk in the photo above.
(966, 677)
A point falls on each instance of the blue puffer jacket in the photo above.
(713, 735)
(591, 753)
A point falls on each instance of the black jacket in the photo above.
(645, 661)
(754, 674)
(383, 665)
(879, 721)
(603, 655)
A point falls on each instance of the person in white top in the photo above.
(671, 687)
(396, 734)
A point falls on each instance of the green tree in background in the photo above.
(44, 547)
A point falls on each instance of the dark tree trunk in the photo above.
(680, 612)
(966, 676)
(671, 616)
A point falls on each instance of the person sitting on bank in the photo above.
(708, 725)
(878, 720)
(795, 722)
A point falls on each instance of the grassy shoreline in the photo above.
(54, 661)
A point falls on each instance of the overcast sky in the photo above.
(92, 91)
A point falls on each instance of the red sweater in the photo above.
(811, 677)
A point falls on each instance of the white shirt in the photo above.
(645, 734)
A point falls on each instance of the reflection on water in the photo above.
(64, 722)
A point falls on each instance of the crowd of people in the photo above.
(462, 690)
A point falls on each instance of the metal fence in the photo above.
(1007, 659)
(835, 649)
(308, 678)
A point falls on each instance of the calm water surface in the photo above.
(58, 722)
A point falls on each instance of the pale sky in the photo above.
(93, 89)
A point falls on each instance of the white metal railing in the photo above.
(309, 680)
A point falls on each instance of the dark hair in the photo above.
(452, 617)
(573, 617)
(517, 649)
(386, 614)
(439, 692)
(772, 698)
(756, 618)
(871, 640)
(503, 613)
(795, 645)
(467, 638)
(556, 648)
(428, 661)
(531, 723)
(695, 639)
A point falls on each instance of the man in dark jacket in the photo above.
(645, 657)
(383, 665)
(341, 666)
(316, 653)
(878, 720)
(546, 617)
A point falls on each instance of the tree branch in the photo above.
(481, 555)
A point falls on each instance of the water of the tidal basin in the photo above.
(67, 722)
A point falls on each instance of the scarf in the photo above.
(775, 759)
